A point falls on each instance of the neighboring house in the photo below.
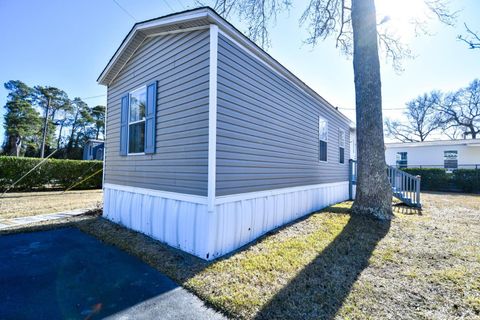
(448, 154)
(93, 150)
(210, 142)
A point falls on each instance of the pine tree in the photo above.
(21, 120)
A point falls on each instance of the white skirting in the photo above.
(182, 221)
(176, 220)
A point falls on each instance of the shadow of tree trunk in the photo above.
(318, 291)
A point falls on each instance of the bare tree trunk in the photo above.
(45, 128)
(15, 145)
(60, 133)
(374, 194)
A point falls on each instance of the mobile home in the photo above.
(210, 142)
(447, 154)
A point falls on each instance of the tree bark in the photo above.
(373, 194)
(60, 136)
(45, 129)
(15, 145)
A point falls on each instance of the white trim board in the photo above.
(151, 36)
(144, 26)
(273, 192)
(212, 117)
(158, 193)
(220, 199)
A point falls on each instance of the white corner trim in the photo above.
(212, 117)
(105, 144)
(158, 193)
(273, 192)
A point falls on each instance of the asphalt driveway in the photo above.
(66, 274)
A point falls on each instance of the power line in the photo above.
(168, 4)
(125, 10)
(92, 97)
(353, 109)
(181, 3)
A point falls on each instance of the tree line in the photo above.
(41, 119)
(455, 114)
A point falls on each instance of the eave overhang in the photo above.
(195, 19)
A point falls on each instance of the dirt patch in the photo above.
(22, 204)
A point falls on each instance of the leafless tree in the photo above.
(453, 133)
(353, 24)
(472, 39)
(422, 119)
(461, 109)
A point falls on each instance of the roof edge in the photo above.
(167, 19)
(228, 28)
(465, 142)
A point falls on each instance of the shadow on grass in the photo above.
(319, 290)
(404, 209)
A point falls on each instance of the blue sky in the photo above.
(67, 44)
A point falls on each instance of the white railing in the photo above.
(405, 186)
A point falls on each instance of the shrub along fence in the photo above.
(459, 180)
(52, 174)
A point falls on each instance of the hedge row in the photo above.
(464, 180)
(52, 174)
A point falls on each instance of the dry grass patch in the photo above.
(21, 204)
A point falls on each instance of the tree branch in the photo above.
(472, 39)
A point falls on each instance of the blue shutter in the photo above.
(150, 118)
(124, 126)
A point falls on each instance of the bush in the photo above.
(52, 174)
(468, 180)
(435, 179)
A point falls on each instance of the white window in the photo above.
(450, 159)
(402, 160)
(341, 145)
(323, 138)
(136, 121)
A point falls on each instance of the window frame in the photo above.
(397, 165)
(135, 122)
(319, 139)
(450, 168)
(341, 131)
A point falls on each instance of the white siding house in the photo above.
(448, 154)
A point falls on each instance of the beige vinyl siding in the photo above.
(267, 129)
(180, 64)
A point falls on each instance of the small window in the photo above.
(450, 159)
(323, 138)
(341, 145)
(402, 161)
(136, 121)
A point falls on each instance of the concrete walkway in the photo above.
(18, 222)
(67, 274)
